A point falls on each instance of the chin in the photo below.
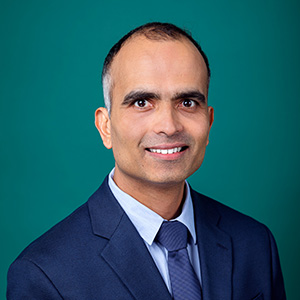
(168, 179)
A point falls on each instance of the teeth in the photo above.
(166, 151)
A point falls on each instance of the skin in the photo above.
(159, 101)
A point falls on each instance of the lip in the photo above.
(167, 146)
(175, 151)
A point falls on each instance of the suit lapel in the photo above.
(134, 265)
(125, 251)
(215, 250)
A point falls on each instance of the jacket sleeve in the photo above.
(278, 291)
(26, 280)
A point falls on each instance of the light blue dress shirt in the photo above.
(147, 223)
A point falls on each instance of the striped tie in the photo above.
(184, 282)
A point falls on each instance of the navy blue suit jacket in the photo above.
(96, 253)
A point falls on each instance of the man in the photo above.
(123, 243)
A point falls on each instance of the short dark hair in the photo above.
(153, 31)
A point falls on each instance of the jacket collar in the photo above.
(125, 251)
(215, 249)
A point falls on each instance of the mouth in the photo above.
(167, 151)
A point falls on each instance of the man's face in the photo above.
(160, 121)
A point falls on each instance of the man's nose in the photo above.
(167, 121)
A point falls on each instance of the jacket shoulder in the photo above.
(64, 234)
(226, 218)
(73, 232)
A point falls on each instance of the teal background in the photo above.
(52, 158)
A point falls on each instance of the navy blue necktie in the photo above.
(185, 285)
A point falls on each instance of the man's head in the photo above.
(160, 121)
(152, 31)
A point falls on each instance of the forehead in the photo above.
(142, 61)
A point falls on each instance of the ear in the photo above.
(102, 122)
(211, 120)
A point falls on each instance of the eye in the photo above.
(142, 103)
(188, 103)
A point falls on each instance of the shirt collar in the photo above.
(145, 220)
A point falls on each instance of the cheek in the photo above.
(199, 130)
(126, 136)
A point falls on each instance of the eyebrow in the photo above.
(140, 94)
(192, 94)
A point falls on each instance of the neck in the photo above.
(165, 199)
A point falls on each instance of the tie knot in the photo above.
(172, 235)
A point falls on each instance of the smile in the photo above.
(167, 151)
